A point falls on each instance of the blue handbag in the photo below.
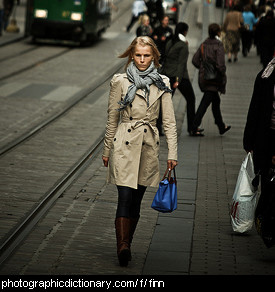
(165, 200)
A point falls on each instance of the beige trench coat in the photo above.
(132, 139)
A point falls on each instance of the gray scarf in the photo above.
(269, 69)
(141, 80)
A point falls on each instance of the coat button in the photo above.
(145, 130)
(127, 143)
(131, 118)
(129, 130)
(158, 143)
(114, 139)
(143, 143)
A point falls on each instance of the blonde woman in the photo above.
(131, 145)
(144, 28)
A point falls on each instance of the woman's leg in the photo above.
(124, 201)
(122, 224)
(135, 209)
(127, 216)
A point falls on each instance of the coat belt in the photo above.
(138, 123)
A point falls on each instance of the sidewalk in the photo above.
(197, 239)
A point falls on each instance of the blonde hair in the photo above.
(142, 41)
(143, 18)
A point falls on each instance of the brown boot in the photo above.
(122, 225)
(133, 225)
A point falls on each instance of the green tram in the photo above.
(75, 20)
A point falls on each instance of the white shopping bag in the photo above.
(244, 199)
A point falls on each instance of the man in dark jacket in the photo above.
(212, 49)
(259, 133)
(175, 67)
(161, 35)
(266, 39)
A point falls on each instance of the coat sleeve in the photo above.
(221, 59)
(252, 116)
(196, 60)
(169, 123)
(113, 113)
(182, 64)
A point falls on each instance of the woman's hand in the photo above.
(175, 84)
(105, 160)
(171, 164)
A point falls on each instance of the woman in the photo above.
(131, 145)
(259, 133)
(212, 49)
(231, 26)
(144, 28)
(247, 35)
(175, 67)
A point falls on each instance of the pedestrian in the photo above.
(144, 29)
(138, 8)
(175, 67)
(131, 144)
(151, 11)
(161, 35)
(212, 49)
(231, 26)
(247, 34)
(266, 37)
(8, 7)
(1, 16)
(259, 133)
(159, 10)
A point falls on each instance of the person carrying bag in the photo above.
(211, 49)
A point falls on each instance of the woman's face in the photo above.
(146, 21)
(142, 57)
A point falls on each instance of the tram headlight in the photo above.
(41, 13)
(76, 16)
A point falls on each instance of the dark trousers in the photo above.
(247, 40)
(208, 98)
(129, 201)
(186, 89)
(267, 192)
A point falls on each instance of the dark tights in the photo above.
(129, 201)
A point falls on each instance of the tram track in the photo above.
(31, 64)
(20, 53)
(78, 98)
(19, 233)
(24, 199)
(21, 230)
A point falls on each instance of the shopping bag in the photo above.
(244, 199)
(165, 200)
(265, 212)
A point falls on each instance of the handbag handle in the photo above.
(169, 174)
